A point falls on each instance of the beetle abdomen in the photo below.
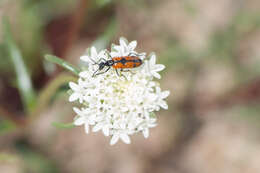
(126, 62)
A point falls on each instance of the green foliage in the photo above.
(5, 62)
(30, 36)
(64, 64)
(23, 79)
(63, 125)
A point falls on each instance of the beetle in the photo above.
(123, 62)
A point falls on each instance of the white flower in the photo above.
(85, 116)
(103, 124)
(119, 106)
(147, 123)
(93, 56)
(122, 135)
(154, 68)
(125, 49)
(79, 91)
(161, 96)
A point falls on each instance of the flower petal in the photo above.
(94, 53)
(117, 48)
(79, 121)
(84, 74)
(165, 94)
(106, 130)
(73, 86)
(97, 127)
(152, 60)
(146, 132)
(163, 104)
(77, 110)
(114, 139)
(123, 42)
(159, 67)
(73, 97)
(132, 45)
(156, 75)
(125, 138)
(115, 54)
(86, 127)
(85, 58)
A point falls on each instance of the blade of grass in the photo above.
(61, 62)
(23, 78)
(63, 125)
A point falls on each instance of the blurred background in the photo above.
(212, 54)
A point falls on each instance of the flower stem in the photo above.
(47, 93)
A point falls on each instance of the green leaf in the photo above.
(23, 78)
(64, 64)
(63, 125)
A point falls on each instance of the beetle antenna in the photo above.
(108, 54)
(94, 74)
(93, 61)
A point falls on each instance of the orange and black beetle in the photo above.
(123, 62)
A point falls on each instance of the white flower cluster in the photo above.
(118, 105)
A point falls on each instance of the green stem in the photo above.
(50, 89)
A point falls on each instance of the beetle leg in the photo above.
(127, 70)
(94, 74)
(134, 54)
(101, 59)
(122, 74)
(117, 72)
(100, 72)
